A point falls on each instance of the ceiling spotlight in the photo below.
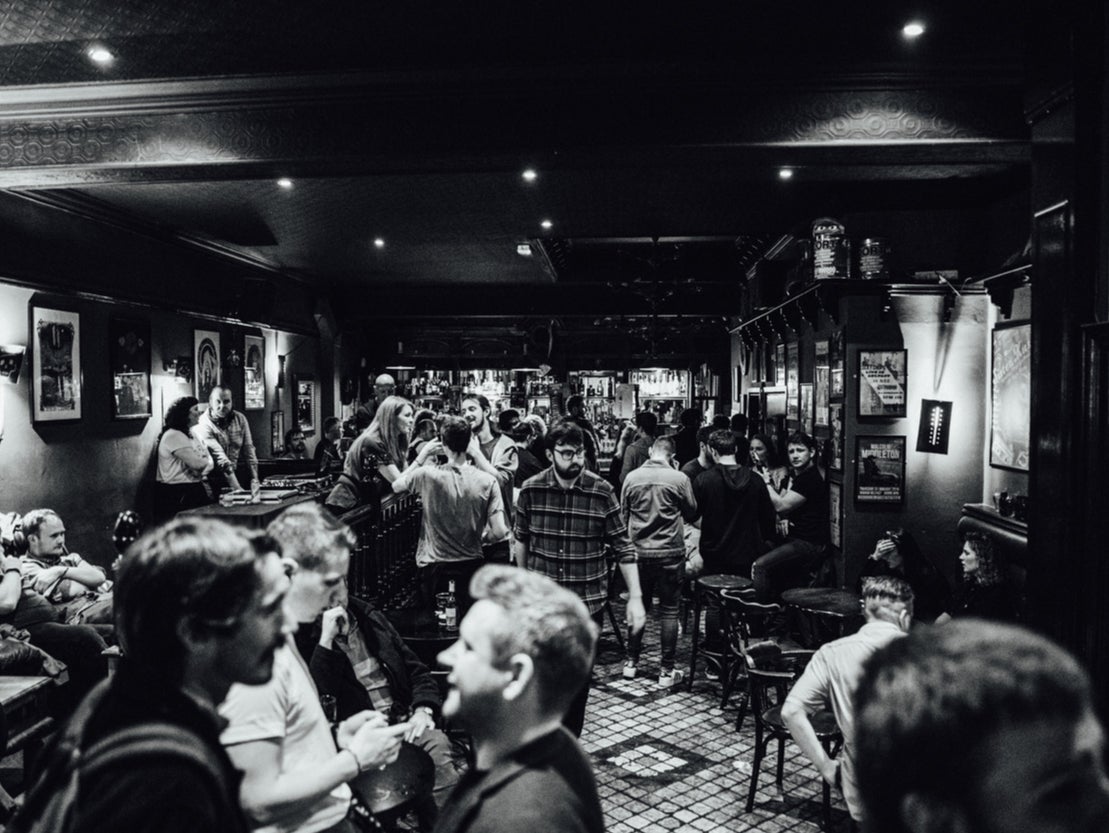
(379, 242)
(546, 224)
(913, 30)
(785, 173)
(100, 55)
(530, 175)
(285, 182)
(523, 249)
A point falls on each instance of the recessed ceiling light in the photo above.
(785, 173)
(379, 243)
(100, 55)
(523, 249)
(530, 175)
(913, 29)
(285, 182)
(546, 224)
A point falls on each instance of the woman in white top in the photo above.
(182, 462)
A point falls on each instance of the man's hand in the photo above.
(419, 723)
(12, 562)
(694, 565)
(349, 727)
(474, 448)
(335, 623)
(70, 560)
(885, 546)
(432, 448)
(635, 614)
(829, 770)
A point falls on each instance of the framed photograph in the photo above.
(836, 354)
(254, 373)
(277, 433)
(55, 365)
(129, 359)
(793, 379)
(206, 362)
(882, 391)
(807, 407)
(835, 436)
(1010, 395)
(821, 371)
(879, 469)
(306, 404)
(835, 513)
(779, 365)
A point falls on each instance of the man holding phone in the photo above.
(294, 773)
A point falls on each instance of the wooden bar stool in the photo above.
(707, 588)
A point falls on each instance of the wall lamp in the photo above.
(934, 432)
(11, 360)
(280, 384)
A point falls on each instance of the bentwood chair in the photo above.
(706, 594)
(768, 689)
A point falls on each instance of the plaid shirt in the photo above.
(566, 531)
(228, 444)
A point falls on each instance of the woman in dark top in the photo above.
(897, 554)
(804, 504)
(376, 458)
(984, 592)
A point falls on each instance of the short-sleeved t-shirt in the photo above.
(287, 709)
(458, 503)
(170, 468)
(809, 522)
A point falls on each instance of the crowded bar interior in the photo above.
(871, 244)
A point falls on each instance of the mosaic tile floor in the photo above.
(671, 759)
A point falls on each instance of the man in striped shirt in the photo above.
(565, 518)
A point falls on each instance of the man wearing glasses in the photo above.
(565, 518)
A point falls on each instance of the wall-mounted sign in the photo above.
(882, 383)
(879, 469)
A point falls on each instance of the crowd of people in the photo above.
(256, 690)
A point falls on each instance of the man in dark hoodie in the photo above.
(737, 516)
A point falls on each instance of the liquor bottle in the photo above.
(450, 609)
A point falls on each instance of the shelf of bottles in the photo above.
(598, 390)
(663, 391)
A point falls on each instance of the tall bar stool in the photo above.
(706, 589)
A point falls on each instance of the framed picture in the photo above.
(835, 436)
(792, 380)
(821, 373)
(835, 513)
(779, 365)
(206, 362)
(254, 373)
(55, 365)
(836, 353)
(306, 404)
(807, 407)
(277, 432)
(882, 391)
(775, 402)
(1010, 395)
(129, 358)
(879, 469)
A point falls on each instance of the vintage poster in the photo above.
(882, 391)
(1011, 395)
(206, 362)
(793, 379)
(807, 407)
(821, 372)
(779, 365)
(254, 378)
(836, 356)
(879, 469)
(306, 405)
(129, 357)
(835, 436)
(55, 365)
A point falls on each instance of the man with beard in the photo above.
(524, 650)
(227, 434)
(295, 447)
(295, 773)
(198, 607)
(566, 517)
(494, 454)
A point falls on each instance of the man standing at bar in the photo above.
(525, 649)
(565, 517)
(575, 413)
(636, 454)
(384, 386)
(494, 454)
(227, 434)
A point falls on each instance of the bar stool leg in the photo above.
(696, 633)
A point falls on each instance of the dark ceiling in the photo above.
(657, 133)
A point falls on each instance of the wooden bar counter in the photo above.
(253, 515)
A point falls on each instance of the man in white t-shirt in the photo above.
(294, 774)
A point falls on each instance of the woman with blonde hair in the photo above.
(376, 458)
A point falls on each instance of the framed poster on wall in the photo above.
(55, 365)
(1010, 395)
(129, 358)
(206, 362)
(306, 404)
(821, 371)
(779, 365)
(835, 513)
(807, 407)
(793, 379)
(254, 373)
(835, 436)
(882, 391)
(277, 432)
(836, 354)
(879, 469)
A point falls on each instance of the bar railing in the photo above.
(383, 564)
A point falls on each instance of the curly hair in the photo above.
(990, 569)
(177, 414)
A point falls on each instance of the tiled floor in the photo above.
(671, 759)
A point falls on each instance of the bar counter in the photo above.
(253, 515)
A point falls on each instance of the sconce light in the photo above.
(935, 426)
(11, 360)
(182, 368)
(948, 306)
(280, 385)
(232, 358)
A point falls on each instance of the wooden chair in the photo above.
(706, 592)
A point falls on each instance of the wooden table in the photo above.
(253, 515)
(422, 633)
(833, 605)
(27, 716)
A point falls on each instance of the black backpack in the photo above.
(51, 805)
